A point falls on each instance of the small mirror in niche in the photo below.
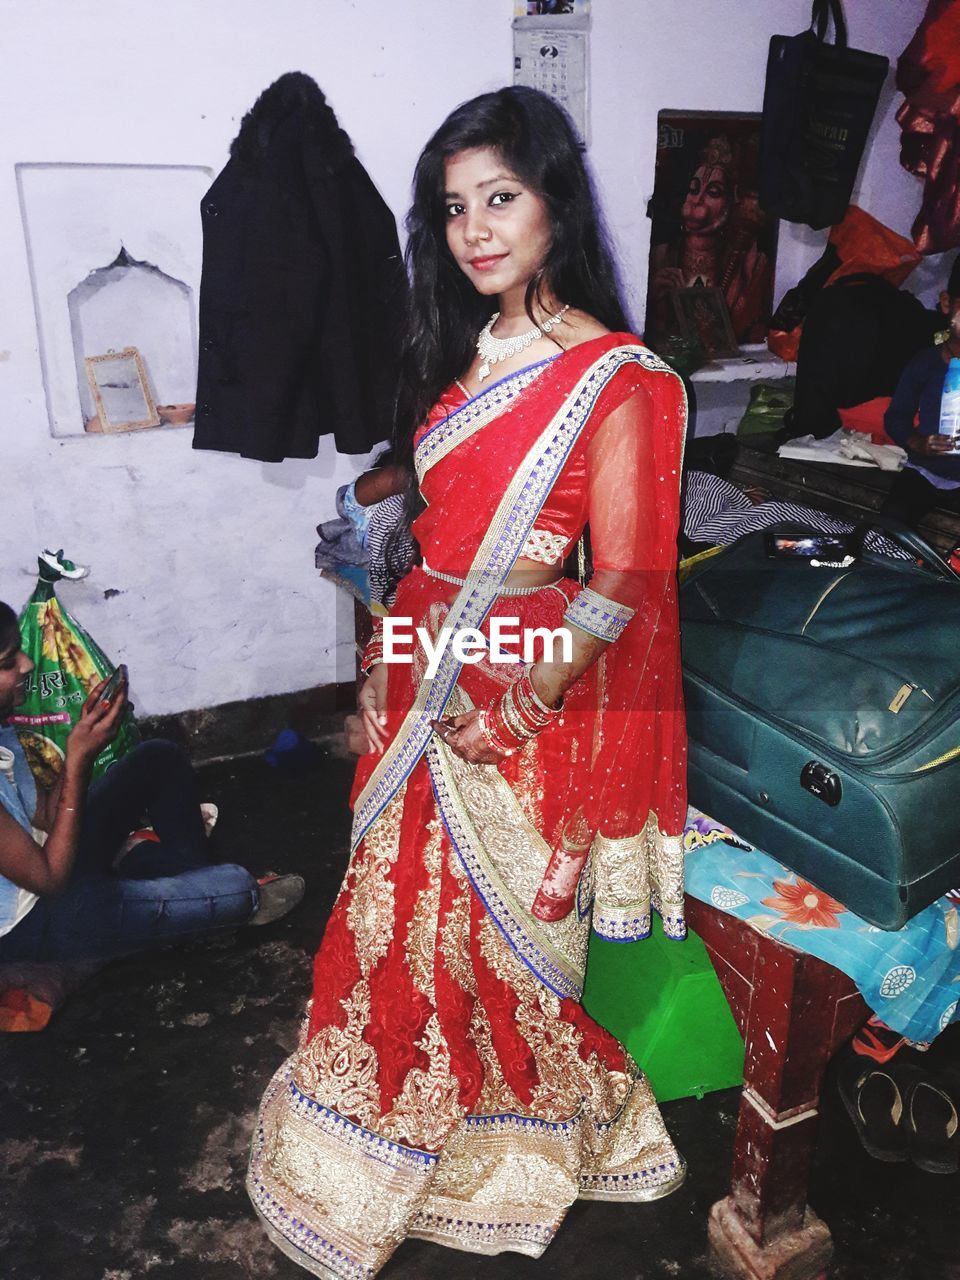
(120, 392)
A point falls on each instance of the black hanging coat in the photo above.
(302, 290)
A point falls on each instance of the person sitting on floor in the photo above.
(60, 899)
(931, 477)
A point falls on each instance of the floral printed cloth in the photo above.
(910, 977)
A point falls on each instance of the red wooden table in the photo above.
(794, 1012)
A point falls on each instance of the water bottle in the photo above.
(950, 405)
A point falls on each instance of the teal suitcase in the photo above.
(823, 710)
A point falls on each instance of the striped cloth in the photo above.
(384, 518)
(717, 512)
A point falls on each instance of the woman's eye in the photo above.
(454, 210)
(503, 197)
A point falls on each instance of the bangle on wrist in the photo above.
(372, 654)
(490, 737)
(520, 714)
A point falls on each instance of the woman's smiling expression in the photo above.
(498, 229)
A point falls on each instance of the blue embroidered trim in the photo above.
(654, 1176)
(394, 1154)
(612, 930)
(492, 398)
(598, 616)
(511, 1120)
(502, 1232)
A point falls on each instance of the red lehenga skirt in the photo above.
(448, 1084)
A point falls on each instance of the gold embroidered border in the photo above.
(635, 1157)
(336, 1197)
(631, 875)
(505, 858)
(666, 880)
(504, 1182)
(470, 418)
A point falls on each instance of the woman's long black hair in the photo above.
(535, 139)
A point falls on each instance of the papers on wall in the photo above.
(550, 53)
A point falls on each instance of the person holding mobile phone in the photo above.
(931, 477)
(60, 896)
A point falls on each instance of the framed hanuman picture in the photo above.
(708, 230)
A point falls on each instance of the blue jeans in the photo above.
(166, 892)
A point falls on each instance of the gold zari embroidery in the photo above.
(633, 873)
(339, 1066)
(429, 1102)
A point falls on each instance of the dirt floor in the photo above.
(124, 1126)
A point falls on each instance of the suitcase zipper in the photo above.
(932, 764)
(835, 583)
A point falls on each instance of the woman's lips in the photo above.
(488, 263)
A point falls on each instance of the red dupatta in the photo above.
(596, 432)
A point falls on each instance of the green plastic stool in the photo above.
(662, 1000)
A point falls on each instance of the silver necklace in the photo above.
(492, 350)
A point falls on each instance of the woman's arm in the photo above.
(45, 869)
(632, 514)
(382, 482)
(902, 411)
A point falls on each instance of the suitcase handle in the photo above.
(906, 538)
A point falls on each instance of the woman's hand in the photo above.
(462, 735)
(98, 724)
(372, 705)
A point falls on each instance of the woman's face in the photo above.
(707, 205)
(15, 666)
(498, 229)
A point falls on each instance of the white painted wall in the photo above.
(212, 555)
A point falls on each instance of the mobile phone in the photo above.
(118, 678)
(805, 545)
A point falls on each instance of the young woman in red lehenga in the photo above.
(448, 1084)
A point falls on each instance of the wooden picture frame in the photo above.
(118, 384)
(702, 316)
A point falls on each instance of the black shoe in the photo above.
(933, 1127)
(874, 1103)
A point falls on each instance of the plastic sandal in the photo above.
(874, 1102)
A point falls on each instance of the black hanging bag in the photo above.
(818, 104)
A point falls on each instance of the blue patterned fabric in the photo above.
(909, 977)
(18, 795)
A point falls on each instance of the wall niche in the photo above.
(115, 257)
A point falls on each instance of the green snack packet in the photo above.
(769, 402)
(67, 665)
